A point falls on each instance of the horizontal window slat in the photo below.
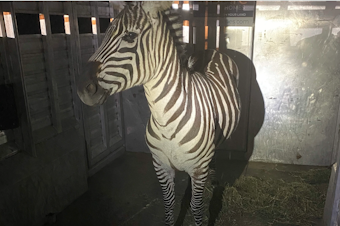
(33, 78)
(37, 88)
(41, 122)
(33, 67)
(67, 114)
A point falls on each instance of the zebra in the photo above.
(194, 101)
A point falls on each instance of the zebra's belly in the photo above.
(175, 156)
(169, 154)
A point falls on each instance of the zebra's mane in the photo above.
(175, 26)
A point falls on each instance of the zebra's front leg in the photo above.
(166, 176)
(198, 180)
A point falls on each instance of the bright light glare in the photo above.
(67, 24)
(186, 7)
(186, 31)
(175, 6)
(268, 7)
(217, 34)
(303, 33)
(42, 24)
(262, 24)
(335, 30)
(235, 27)
(9, 24)
(94, 25)
(306, 7)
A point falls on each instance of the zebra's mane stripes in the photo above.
(175, 26)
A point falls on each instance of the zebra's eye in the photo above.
(129, 36)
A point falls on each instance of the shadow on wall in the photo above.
(253, 109)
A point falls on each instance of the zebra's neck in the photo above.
(165, 89)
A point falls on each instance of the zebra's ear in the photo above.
(152, 8)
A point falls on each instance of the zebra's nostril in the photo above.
(91, 88)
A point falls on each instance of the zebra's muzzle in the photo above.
(88, 89)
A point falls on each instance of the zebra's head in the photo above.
(126, 57)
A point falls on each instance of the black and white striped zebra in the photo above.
(193, 107)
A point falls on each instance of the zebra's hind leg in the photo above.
(212, 171)
(198, 180)
(166, 176)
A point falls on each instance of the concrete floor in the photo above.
(127, 192)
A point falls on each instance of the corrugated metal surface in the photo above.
(297, 66)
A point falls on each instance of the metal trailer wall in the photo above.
(295, 52)
(60, 141)
(296, 56)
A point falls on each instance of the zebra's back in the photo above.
(223, 75)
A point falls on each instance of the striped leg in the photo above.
(166, 176)
(212, 171)
(197, 186)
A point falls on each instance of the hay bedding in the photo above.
(261, 202)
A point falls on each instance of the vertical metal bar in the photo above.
(121, 114)
(76, 56)
(16, 70)
(104, 107)
(50, 71)
(253, 34)
(331, 211)
(180, 5)
(71, 9)
(212, 16)
(190, 45)
(94, 13)
(72, 59)
(5, 78)
(111, 11)
(199, 23)
(222, 18)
